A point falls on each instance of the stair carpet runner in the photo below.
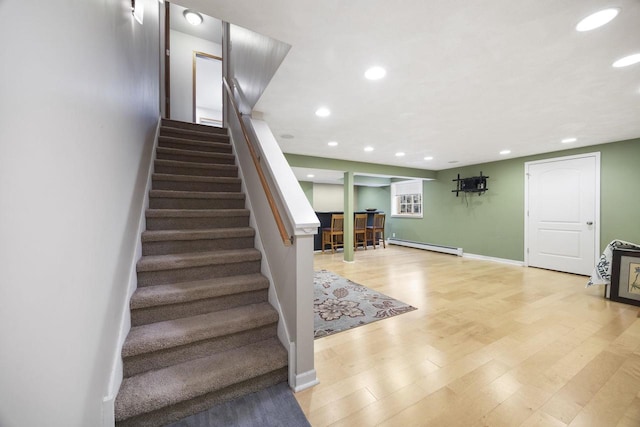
(202, 329)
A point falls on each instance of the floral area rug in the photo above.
(340, 304)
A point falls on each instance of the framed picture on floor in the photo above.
(625, 276)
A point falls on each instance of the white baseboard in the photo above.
(117, 369)
(494, 259)
(305, 380)
(109, 411)
(426, 246)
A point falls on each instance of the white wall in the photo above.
(182, 47)
(79, 106)
(330, 197)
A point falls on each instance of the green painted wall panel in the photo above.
(307, 188)
(493, 224)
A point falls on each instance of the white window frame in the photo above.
(406, 199)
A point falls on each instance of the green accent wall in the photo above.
(374, 197)
(492, 224)
(307, 188)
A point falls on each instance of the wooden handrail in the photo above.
(286, 239)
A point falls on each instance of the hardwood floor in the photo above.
(491, 344)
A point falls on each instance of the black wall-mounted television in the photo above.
(474, 184)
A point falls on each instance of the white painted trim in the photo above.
(282, 330)
(597, 156)
(305, 380)
(302, 216)
(115, 379)
(426, 246)
(494, 259)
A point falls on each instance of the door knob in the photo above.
(589, 222)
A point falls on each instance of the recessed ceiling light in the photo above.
(569, 140)
(597, 19)
(503, 152)
(627, 60)
(323, 112)
(310, 175)
(399, 154)
(368, 149)
(428, 158)
(192, 17)
(332, 143)
(375, 73)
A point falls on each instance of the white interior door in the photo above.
(562, 209)
(207, 89)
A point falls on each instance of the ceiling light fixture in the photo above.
(428, 158)
(368, 149)
(569, 140)
(375, 73)
(503, 152)
(399, 154)
(627, 60)
(192, 17)
(598, 19)
(310, 175)
(332, 143)
(323, 112)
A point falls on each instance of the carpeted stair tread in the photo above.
(216, 142)
(177, 293)
(154, 390)
(179, 194)
(195, 213)
(195, 127)
(196, 178)
(196, 259)
(198, 169)
(174, 333)
(199, 154)
(196, 234)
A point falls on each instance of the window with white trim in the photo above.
(406, 199)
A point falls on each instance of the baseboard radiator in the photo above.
(426, 246)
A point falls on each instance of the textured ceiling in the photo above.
(464, 81)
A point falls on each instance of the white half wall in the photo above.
(79, 105)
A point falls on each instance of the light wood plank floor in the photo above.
(491, 344)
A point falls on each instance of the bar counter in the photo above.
(325, 221)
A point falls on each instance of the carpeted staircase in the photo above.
(202, 329)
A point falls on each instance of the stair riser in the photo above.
(144, 316)
(163, 277)
(161, 359)
(180, 170)
(203, 245)
(175, 203)
(172, 124)
(224, 187)
(195, 223)
(211, 137)
(186, 157)
(215, 146)
(181, 410)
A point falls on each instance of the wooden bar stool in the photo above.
(334, 235)
(360, 231)
(375, 231)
